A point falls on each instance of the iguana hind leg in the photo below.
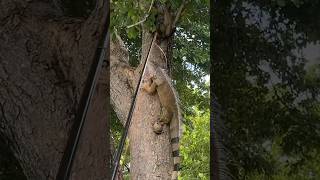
(157, 127)
(165, 116)
(164, 119)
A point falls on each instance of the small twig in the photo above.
(144, 19)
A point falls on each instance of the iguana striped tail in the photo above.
(175, 126)
(175, 144)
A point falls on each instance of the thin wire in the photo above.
(128, 122)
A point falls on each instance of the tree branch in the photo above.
(120, 90)
(180, 10)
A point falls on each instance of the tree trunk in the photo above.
(44, 60)
(150, 153)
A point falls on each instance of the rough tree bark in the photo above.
(44, 60)
(150, 153)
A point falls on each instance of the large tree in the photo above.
(47, 48)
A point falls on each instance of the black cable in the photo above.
(70, 151)
(128, 122)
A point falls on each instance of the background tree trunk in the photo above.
(44, 60)
(150, 153)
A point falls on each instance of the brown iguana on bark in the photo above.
(170, 112)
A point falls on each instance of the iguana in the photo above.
(170, 113)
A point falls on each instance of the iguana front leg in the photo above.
(149, 86)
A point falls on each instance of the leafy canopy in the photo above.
(268, 91)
